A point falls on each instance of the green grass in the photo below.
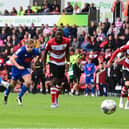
(73, 112)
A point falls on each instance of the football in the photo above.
(108, 106)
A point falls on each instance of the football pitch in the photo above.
(74, 112)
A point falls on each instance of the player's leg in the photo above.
(92, 89)
(47, 86)
(53, 92)
(124, 89)
(123, 93)
(42, 77)
(24, 88)
(52, 68)
(87, 86)
(7, 91)
(104, 89)
(58, 90)
(127, 102)
(15, 73)
(76, 86)
(35, 82)
(59, 75)
(6, 85)
(71, 83)
(92, 86)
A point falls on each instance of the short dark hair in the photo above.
(60, 30)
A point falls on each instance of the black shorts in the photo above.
(57, 71)
(74, 79)
(126, 75)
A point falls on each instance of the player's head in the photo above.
(29, 44)
(59, 35)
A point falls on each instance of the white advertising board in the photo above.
(44, 19)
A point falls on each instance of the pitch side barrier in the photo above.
(79, 19)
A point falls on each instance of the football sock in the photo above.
(72, 91)
(104, 90)
(58, 89)
(124, 91)
(7, 91)
(23, 91)
(53, 94)
(93, 90)
(87, 90)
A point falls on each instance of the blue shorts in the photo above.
(17, 74)
(90, 80)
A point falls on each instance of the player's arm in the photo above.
(44, 58)
(122, 49)
(13, 61)
(67, 52)
(67, 55)
(44, 54)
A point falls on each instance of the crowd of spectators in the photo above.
(97, 43)
(47, 8)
